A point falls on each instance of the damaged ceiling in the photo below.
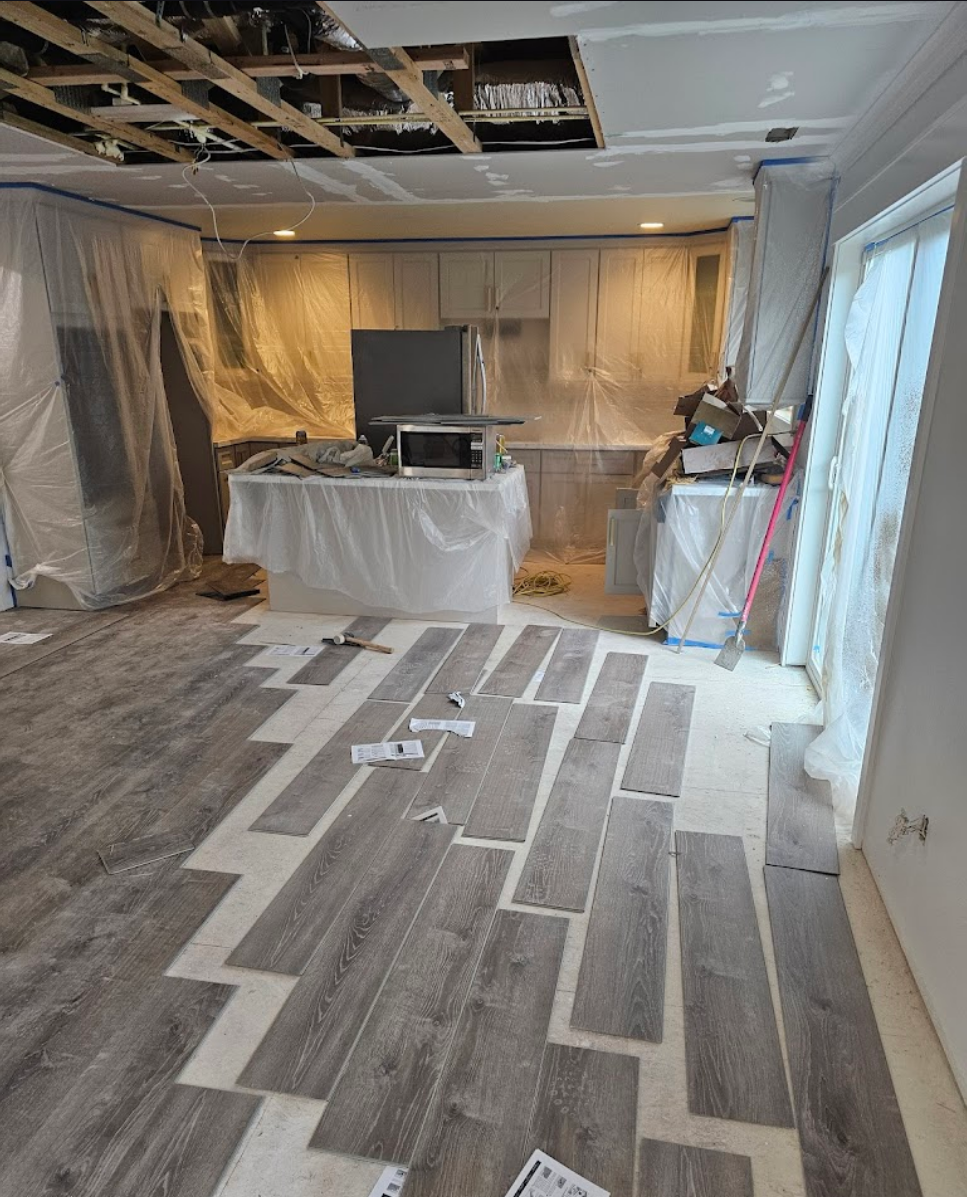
(423, 103)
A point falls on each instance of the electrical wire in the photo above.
(543, 584)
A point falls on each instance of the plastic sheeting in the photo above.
(411, 544)
(741, 245)
(889, 333)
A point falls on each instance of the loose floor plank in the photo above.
(456, 775)
(310, 794)
(474, 1139)
(462, 669)
(585, 1115)
(507, 791)
(801, 827)
(379, 1105)
(670, 1170)
(621, 986)
(560, 864)
(405, 680)
(132, 854)
(327, 665)
(513, 674)
(657, 758)
(568, 668)
(314, 1032)
(732, 1054)
(850, 1127)
(194, 1135)
(287, 934)
(612, 703)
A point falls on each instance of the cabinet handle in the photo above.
(611, 533)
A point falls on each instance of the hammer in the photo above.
(356, 642)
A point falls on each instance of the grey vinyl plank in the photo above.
(312, 792)
(656, 762)
(586, 1113)
(850, 1127)
(505, 799)
(608, 713)
(474, 1139)
(327, 665)
(462, 669)
(378, 1106)
(68, 627)
(621, 985)
(455, 777)
(431, 706)
(308, 1043)
(405, 680)
(801, 826)
(560, 864)
(567, 671)
(671, 1170)
(194, 1136)
(513, 673)
(295, 922)
(732, 1055)
(132, 854)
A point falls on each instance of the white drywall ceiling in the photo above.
(686, 93)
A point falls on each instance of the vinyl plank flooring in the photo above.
(457, 773)
(569, 666)
(560, 864)
(327, 665)
(379, 1105)
(310, 794)
(586, 1112)
(732, 1055)
(293, 925)
(462, 669)
(431, 706)
(850, 1127)
(132, 854)
(67, 627)
(607, 715)
(505, 800)
(314, 1032)
(405, 680)
(621, 985)
(474, 1139)
(657, 758)
(513, 673)
(671, 1170)
(801, 826)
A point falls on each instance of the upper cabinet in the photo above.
(395, 290)
(466, 286)
(372, 289)
(619, 315)
(479, 286)
(417, 287)
(523, 283)
(574, 312)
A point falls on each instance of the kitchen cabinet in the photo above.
(466, 286)
(417, 288)
(574, 313)
(523, 281)
(619, 315)
(372, 289)
(515, 284)
(577, 492)
(530, 459)
(620, 571)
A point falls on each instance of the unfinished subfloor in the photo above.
(174, 719)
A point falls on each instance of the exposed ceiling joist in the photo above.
(131, 70)
(396, 63)
(43, 97)
(137, 20)
(16, 121)
(586, 90)
(279, 66)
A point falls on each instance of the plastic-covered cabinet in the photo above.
(574, 313)
(417, 285)
(523, 283)
(372, 290)
(466, 286)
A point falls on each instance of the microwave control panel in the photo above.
(476, 455)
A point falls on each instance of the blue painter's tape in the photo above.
(96, 203)
(729, 614)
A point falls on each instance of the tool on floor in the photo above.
(356, 642)
(226, 596)
(731, 652)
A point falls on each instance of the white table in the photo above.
(396, 547)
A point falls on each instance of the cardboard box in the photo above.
(710, 459)
(713, 413)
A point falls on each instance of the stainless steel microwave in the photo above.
(446, 450)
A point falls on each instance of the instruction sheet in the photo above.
(295, 650)
(459, 727)
(543, 1176)
(24, 637)
(395, 750)
(436, 815)
(390, 1184)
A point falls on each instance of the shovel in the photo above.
(731, 651)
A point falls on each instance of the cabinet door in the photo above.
(466, 286)
(619, 316)
(524, 283)
(574, 312)
(372, 290)
(417, 278)
(328, 347)
(620, 571)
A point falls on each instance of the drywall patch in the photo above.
(573, 10)
(608, 163)
(779, 88)
(380, 182)
(312, 174)
(732, 128)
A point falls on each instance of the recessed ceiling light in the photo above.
(284, 233)
(651, 224)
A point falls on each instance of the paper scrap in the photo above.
(394, 750)
(24, 637)
(390, 1184)
(459, 727)
(436, 815)
(295, 650)
(457, 698)
(543, 1176)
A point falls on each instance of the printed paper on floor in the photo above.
(24, 637)
(543, 1176)
(390, 1184)
(295, 650)
(459, 727)
(436, 815)
(394, 750)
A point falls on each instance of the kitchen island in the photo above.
(403, 548)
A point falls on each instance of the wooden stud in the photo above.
(15, 121)
(585, 82)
